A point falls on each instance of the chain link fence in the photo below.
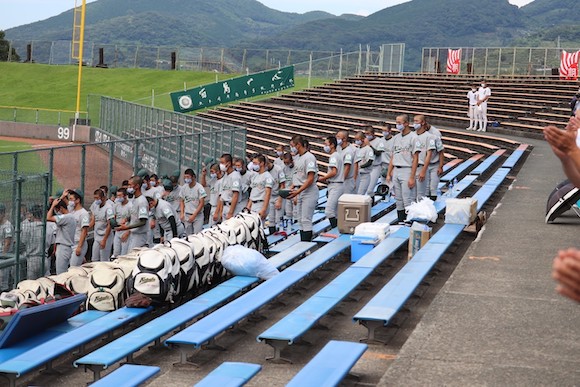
(24, 239)
(497, 61)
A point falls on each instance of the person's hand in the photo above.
(278, 204)
(566, 271)
(78, 251)
(152, 224)
(263, 215)
(182, 217)
(439, 171)
(191, 219)
(422, 175)
(563, 142)
(215, 217)
(229, 215)
(293, 194)
(125, 236)
(389, 178)
(103, 244)
(411, 183)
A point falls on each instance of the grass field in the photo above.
(55, 87)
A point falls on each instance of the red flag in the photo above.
(569, 65)
(453, 61)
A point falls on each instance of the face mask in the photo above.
(339, 141)
(400, 126)
(358, 142)
(279, 154)
(71, 206)
(251, 166)
(291, 166)
(187, 181)
(152, 183)
(255, 167)
(144, 187)
(327, 149)
(120, 200)
(223, 167)
(417, 126)
(293, 150)
(386, 134)
(238, 169)
(98, 202)
(213, 175)
(130, 190)
(369, 137)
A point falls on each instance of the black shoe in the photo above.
(306, 236)
(271, 230)
(434, 198)
(401, 216)
(333, 222)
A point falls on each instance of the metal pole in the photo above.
(473, 61)
(80, 72)
(340, 66)
(47, 190)
(485, 65)
(514, 63)
(17, 226)
(180, 153)
(136, 157)
(499, 62)
(310, 71)
(359, 59)
(545, 61)
(111, 159)
(50, 167)
(530, 62)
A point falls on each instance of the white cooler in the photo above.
(352, 211)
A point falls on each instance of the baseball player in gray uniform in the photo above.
(290, 210)
(386, 156)
(378, 146)
(365, 158)
(231, 186)
(437, 160)
(403, 166)
(276, 202)
(348, 152)
(122, 213)
(192, 195)
(83, 219)
(261, 188)
(334, 178)
(101, 214)
(138, 224)
(164, 214)
(213, 183)
(304, 185)
(65, 232)
(246, 177)
(279, 160)
(424, 145)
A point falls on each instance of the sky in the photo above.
(18, 12)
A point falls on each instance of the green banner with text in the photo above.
(234, 89)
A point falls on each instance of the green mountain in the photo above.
(169, 22)
(551, 13)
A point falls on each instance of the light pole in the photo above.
(81, 42)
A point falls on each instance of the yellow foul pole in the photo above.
(80, 73)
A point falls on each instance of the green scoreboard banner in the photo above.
(234, 89)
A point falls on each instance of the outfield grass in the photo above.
(55, 87)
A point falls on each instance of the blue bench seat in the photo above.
(294, 325)
(230, 374)
(128, 375)
(490, 186)
(516, 155)
(462, 168)
(330, 365)
(390, 299)
(488, 162)
(206, 329)
(152, 331)
(46, 352)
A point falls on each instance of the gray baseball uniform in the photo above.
(364, 155)
(102, 214)
(258, 185)
(308, 199)
(349, 157)
(65, 240)
(139, 211)
(191, 197)
(162, 212)
(402, 159)
(231, 183)
(122, 214)
(379, 146)
(335, 184)
(425, 142)
(275, 216)
(82, 219)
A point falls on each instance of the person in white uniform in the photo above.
(483, 94)
(166, 217)
(260, 188)
(122, 215)
(276, 202)
(365, 159)
(290, 209)
(192, 196)
(65, 232)
(101, 214)
(138, 224)
(304, 185)
(231, 185)
(334, 178)
(437, 159)
(246, 176)
(403, 166)
(82, 218)
(378, 146)
(424, 145)
(472, 105)
(348, 152)
(214, 184)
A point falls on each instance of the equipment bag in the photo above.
(106, 290)
(189, 276)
